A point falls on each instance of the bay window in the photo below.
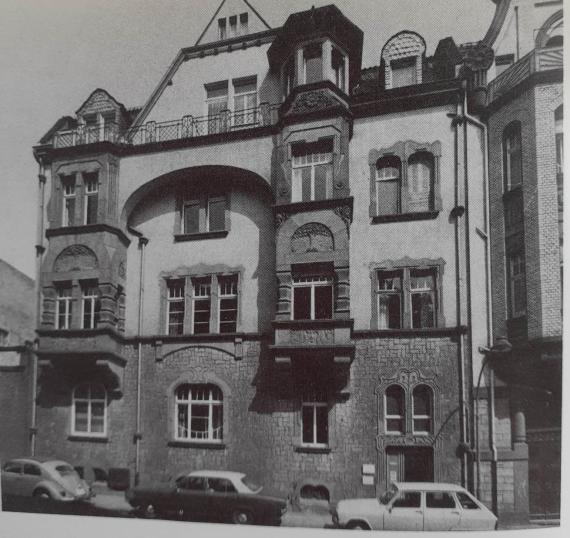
(312, 170)
(312, 296)
(313, 63)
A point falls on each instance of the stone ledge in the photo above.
(197, 444)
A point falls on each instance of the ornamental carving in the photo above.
(312, 237)
(280, 218)
(312, 101)
(345, 213)
(75, 258)
(311, 337)
(477, 56)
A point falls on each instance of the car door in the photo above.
(12, 478)
(222, 497)
(192, 497)
(473, 515)
(441, 511)
(31, 476)
(405, 512)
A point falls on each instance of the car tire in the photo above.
(42, 494)
(357, 526)
(242, 517)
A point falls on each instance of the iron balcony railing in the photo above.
(535, 61)
(187, 127)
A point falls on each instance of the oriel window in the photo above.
(312, 170)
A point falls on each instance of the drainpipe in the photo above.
(40, 249)
(143, 241)
(517, 32)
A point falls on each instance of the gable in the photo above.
(98, 101)
(231, 19)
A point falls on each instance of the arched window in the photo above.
(551, 34)
(89, 410)
(420, 182)
(198, 413)
(512, 156)
(388, 170)
(422, 409)
(395, 409)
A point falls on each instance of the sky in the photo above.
(56, 52)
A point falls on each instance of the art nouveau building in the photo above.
(275, 265)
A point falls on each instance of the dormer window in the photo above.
(222, 31)
(403, 57)
(233, 26)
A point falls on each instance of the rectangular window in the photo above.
(243, 23)
(228, 303)
(404, 72)
(91, 183)
(512, 157)
(216, 214)
(516, 285)
(63, 308)
(339, 69)
(313, 63)
(288, 76)
(422, 292)
(191, 217)
(68, 186)
(233, 25)
(217, 103)
(204, 214)
(201, 307)
(175, 307)
(389, 299)
(312, 297)
(312, 170)
(90, 305)
(245, 101)
(222, 32)
(388, 186)
(315, 419)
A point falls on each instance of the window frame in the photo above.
(205, 281)
(512, 280)
(173, 286)
(89, 400)
(307, 48)
(90, 196)
(92, 299)
(234, 281)
(380, 293)
(314, 400)
(318, 280)
(203, 204)
(312, 160)
(402, 417)
(67, 301)
(429, 416)
(69, 198)
(191, 401)
(513, 130)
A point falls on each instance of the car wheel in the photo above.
(42, 494)
(357, 526)
(242, 517)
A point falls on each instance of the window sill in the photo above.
(178, 238)
(197, 444)
(313, 449)
(404, 217)
(88, 438)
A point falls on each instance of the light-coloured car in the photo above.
(54, 479)
(416, 506)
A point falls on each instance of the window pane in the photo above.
(97, 417)
(323, 302)
(91, 209)
(420, 182)
(388, 197)
(182, 421)
(395, 401)
(191, 218)
(216, 215)
(422, 401)
(308, 425)
(439, 499)
(467, 502)
(395, 425)
(322, 425)
(81, 420)
(422, 425)
(306, 183)
(69, 218)
(423, 310)
(389, 313)
(217, 422)
(408, 499)
(323, 181)
(302, 303)
(313, 63)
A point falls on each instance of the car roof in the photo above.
(428, 486)
(232, 475)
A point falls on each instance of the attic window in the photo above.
(403, 72)
(403, 56)
(222, 32)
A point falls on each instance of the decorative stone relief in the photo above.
(312, 337)
(280, 218)
(312, 101)
(345, 213)
(75, 258)
(312, 237)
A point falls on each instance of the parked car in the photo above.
(53, 479)
(416, 506)
(209, 495)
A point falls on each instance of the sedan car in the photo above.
(416, 506)
(52, 479)
(209, 495)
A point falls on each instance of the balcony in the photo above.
(306, 339)
(185, 128)
(535, 61)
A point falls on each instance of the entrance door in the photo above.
(409, 464)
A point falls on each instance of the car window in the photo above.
(408, 499)
(467, 502)
(439, 499)
(221, 485)
(11, 467)
(194, 483)
(31, 469)
(250, 484)
(65, 470)
(388, 495)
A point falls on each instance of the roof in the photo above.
(428, 486)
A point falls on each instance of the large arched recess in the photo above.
(237, 178)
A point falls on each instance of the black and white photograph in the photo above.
(281, 263)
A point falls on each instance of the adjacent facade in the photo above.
(271, 270)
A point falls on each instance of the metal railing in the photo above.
(536, 60)
(187, 127)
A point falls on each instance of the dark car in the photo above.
(209, 496)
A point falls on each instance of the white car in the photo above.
(416, 506)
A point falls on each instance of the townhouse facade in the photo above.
(524, 117)
(279, 264)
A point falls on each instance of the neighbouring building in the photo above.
(278, 264)
(17, 333)
(524, 118)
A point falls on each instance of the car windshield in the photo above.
(388, 495)
(251, 485)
